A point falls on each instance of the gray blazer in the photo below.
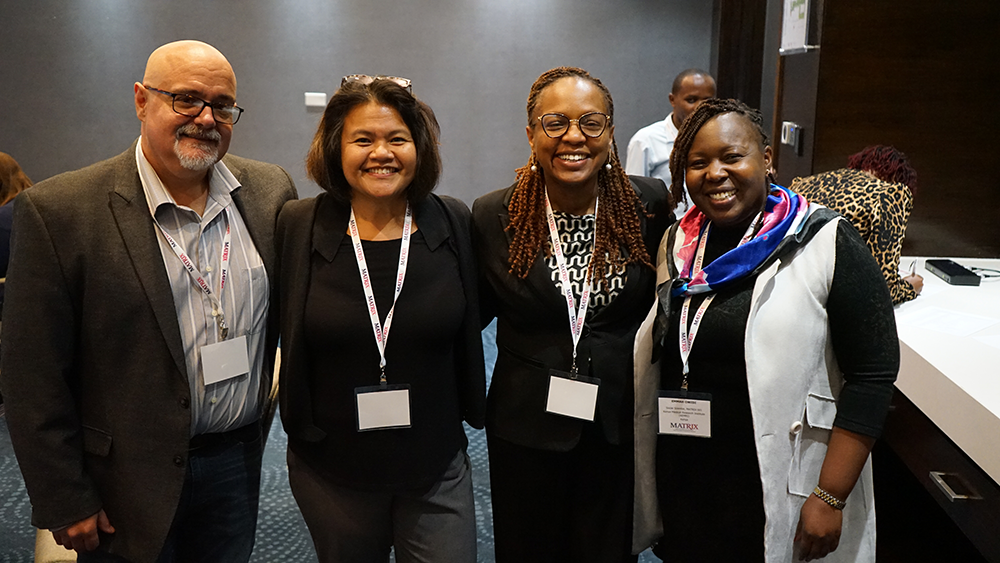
(93, 369)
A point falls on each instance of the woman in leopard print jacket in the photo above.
(875, 193)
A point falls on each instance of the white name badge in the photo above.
(685, 414)
(225, 360)
(576, 398)
(383, 407)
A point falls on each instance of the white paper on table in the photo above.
(931, 289)
(990, 340)
(948, 322)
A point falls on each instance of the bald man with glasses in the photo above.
(138, 338)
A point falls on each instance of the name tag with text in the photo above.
(685, 414)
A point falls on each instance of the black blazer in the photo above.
(533, 330)
(319, 225)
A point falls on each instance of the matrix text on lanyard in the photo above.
(687, 341)
(199, 279)
(576, 317)
(381, 333)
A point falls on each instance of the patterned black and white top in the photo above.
(577, 235)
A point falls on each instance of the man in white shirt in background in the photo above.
(650, 147)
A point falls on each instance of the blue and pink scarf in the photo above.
(783, 210)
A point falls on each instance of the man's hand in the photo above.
(819, 529)
(82, 536)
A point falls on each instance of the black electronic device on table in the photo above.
(952, 272)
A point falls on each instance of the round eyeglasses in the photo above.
(591, 124)
(190, 106)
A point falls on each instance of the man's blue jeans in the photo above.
(216, 519)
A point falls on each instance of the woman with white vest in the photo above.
(777, 347)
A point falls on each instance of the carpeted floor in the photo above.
(282, 536)
(17, 538)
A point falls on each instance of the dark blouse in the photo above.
(420, 352)
(711, 484)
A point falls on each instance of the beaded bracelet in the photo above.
(829, 499)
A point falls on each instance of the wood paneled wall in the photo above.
(919, 75)
(740, 49)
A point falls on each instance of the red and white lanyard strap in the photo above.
(382, 333)
(576, 317)
(199, 279)
(687, 337)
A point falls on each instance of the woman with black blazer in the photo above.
(559, 411)
(376, 448)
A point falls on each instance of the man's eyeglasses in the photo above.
(366, 80)
(591, 124)
(191, 106)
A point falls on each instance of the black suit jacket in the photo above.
(533, 331)
(319, 225)
(93, 368)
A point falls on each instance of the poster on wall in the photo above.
(795, 27)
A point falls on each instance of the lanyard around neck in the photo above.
(687, 337)
(199, 278)
(577, 317)
(381, 332)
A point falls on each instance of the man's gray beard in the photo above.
(207, 154)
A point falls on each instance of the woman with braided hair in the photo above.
(765, 427)
(566, 266)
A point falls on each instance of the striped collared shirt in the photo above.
(232, 403)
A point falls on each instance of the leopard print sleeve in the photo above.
(886, 239)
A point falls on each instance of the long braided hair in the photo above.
(618, 229)
(689, 129)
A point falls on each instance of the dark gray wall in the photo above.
(67, 69)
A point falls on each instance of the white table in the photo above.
(955, 379)
(945, 423)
